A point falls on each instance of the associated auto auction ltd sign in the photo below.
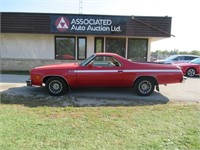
(88, 24)
(94, 25)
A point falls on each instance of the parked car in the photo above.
(104, 70)
(177, 59)
(191, 68)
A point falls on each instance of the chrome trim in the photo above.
(184, 79)
(128, 71)
(29, 82)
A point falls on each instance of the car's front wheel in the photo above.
(144, 86)
(56, 86)
(191, 72)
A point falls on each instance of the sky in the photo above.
(184, 13)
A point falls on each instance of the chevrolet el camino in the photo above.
(105, 70)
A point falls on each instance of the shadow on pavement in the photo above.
(84, 97)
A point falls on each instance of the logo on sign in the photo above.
(62, 24)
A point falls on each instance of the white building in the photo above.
(33, 39)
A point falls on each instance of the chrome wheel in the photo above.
(56, 86)
(145, 86)
(191, 72)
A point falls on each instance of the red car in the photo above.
(105, 70)
(190, 69)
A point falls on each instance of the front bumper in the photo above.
(184, 79)
(29, 82)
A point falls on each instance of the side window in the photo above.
(177, 58)
(106, 61)
(198, 62)
(65, 48)
(182, 58)
(189, 58)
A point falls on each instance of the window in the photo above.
(65, 48)
(195, 61)
(105, 61)
(82, 48)
(116, 45)
(99, 44)
(181, 58)
(189, 58)
(137, 49)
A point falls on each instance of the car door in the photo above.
(103, 71)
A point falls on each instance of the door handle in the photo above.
(120, 71)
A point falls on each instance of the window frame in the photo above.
(102, 44)
(85, 53)
(74, 53)
(110, 60)
(147, 41)
(115, 38)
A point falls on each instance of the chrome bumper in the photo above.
(29, 82)
(184, 79)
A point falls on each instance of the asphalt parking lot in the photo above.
(189, 91)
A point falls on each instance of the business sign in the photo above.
(88, 24)
(62, 24)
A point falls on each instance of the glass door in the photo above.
(82, 48)
(99, 45)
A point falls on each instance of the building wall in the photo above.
(28, 39)
(25, 64)
(27, 46)
(26, 51)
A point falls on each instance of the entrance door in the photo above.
(99, 45)
(137, 49)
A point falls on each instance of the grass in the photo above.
(170, 126)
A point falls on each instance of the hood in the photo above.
(58, 66)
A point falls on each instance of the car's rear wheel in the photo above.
(56, 86)
(144, 86)
(191, 72)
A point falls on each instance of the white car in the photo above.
(177, 59)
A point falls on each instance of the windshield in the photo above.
(195, 61)
(86, 61)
